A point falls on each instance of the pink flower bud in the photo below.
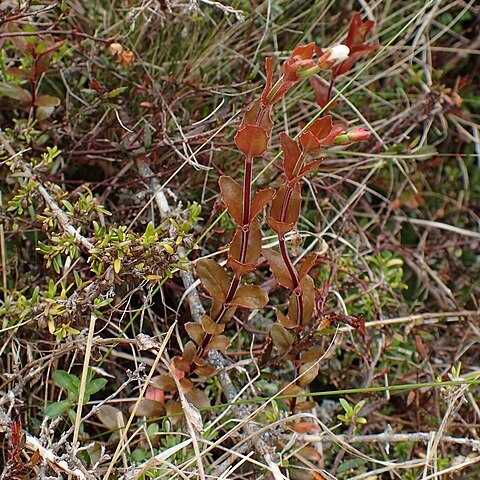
(358, 135)
(355, 135)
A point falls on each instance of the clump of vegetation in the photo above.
(212, 269)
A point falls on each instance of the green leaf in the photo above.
(54, 410)
(346, 406)
(66, 380)
(95, 386)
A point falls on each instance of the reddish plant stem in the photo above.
(245, 229)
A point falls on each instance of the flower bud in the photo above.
(336, 54)
(358, 135)
(355, 135)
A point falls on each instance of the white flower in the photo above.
(338, 53)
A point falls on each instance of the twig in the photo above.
(34, 445)
(390, 438)
(83, 380)
(418, 318)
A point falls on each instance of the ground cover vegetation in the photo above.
(239, 240)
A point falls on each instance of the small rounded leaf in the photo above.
(252, 140)
(250, 296)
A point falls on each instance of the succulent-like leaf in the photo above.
(251, 116)
(227, 315)
(180, 363)
(281, 228)
(173, 409)
(313, 137)
(321, 91)
(186, 385)
(285, 321)
(307, 287)
(240, 269)
(189, 352)
(306, 427)
(214, 278)
(250, 296)
(232, 194)
(312, 354)
(310, 166)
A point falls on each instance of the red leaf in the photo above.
(268, 82)
(251, 116)
(214, 278)
(309, 167)
(313, 137)
(358, 30)
(291, 154)
(254, 245)
(195, 332)
(300, 59)
(232, 195)
(278, 268)
(239, 268)
(321, 92)
(285, 321)
(286, 204)
(219, 342)
(217, 308)
(306, 427)
(304, 51)
(261, 198)
(180, 365)
(210, 326)
(321, 128)
(252, 140)
(282, 338)
(307, 288)
(308, 263)
(250, 296)
(281, 228)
